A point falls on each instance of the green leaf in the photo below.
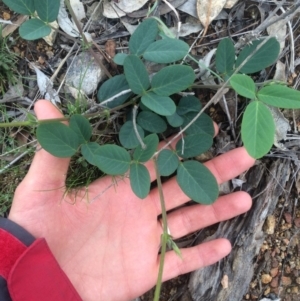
(262, 58)
(151, 122)
(193, 145)
(81, 126)
(280, 96)
(172, 79)
(258, 129)
(119, 58)
(128, 136)
(166, 51)
(112, 87)
(188, 104)
(162, 105)
(175, 120)
(47, 10)
(197, 182)
(34, 29)
(111, 159)
(143, 155)
(203, 124)
(139, 180)
(243, 85)
(89, 152)
(23, 7)
(136, 74)
(143, 36)
(167, 162)
(57, 139)
(225, 56)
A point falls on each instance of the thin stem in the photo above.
(164, 236)
(134, 112)
(31, 123)
(97, 59)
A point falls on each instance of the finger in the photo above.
(150, 163)
(224, 167)
(46, 170)
(186, 220)
(195, 258)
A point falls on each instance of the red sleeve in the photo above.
(30, 269)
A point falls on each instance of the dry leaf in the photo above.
(208, 10)
(204, 63)
(65, 23)
(280, 73)
(116, 10)
(46, 87)
(230, 3)
(78, 9)
(191, 25)
(49, 39)
(110, 48)
(10, 28)
(278, 30)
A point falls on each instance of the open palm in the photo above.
(109, 248)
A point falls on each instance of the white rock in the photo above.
(85, 73)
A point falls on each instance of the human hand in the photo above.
(109, 248)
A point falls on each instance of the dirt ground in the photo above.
(277, 265)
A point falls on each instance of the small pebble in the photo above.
(266, 278)
(274, 282)
(274, 272)
(286, 281)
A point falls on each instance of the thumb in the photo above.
(46, 170)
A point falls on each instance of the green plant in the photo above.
(155, 111)
(258, 126)
(156, 106)
(8, 60)
(42, 12)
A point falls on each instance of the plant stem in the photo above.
(164, 236)
(30, 123)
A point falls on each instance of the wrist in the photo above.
(29, 269)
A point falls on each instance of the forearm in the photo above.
(28, 270)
